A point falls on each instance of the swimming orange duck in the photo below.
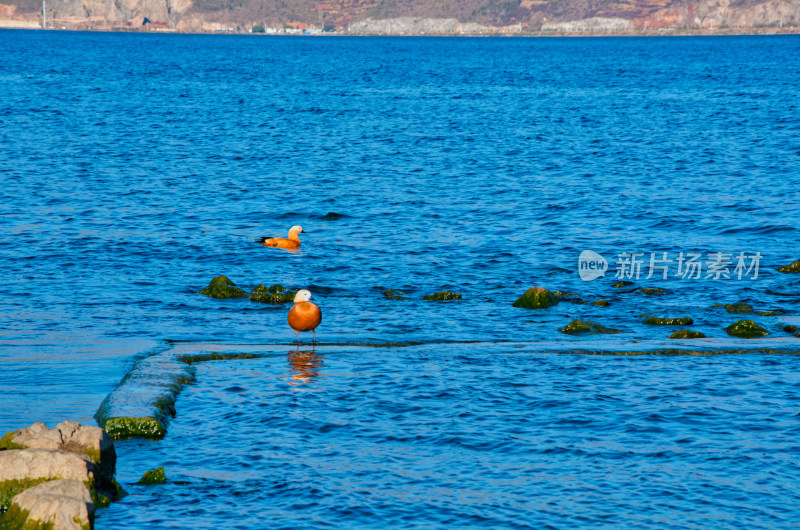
(281, 242)
(304, 315)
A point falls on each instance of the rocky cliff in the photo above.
(412, 16)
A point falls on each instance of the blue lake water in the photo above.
(135, 168)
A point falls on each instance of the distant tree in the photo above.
(258, 29)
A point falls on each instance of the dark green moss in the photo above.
(681, 321)
(622, 284)
(223, 287)
(601, 303)
(6, 443)
(214, 356)
(687, 334)
(10, 488)
(123, 428)
(536, 298)
(442, 296)
(578, 327)
(794, 267)
(739, 307)
(156, 476)
(393, 294)
(17, 519)
(769, 313)
(648, 290)
(746, 329)
(275, 294)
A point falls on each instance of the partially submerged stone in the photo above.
(774, 313)
(572, 298)
(23, 464)
(680, 321)
(156, 476)
(622, 283)
(223, 287)
(536, 298)
(794, 267)
(393, 294)
(601, 303)
(577, 327)
(648, 290)
(62, 504)
(746, 329)
(442, 296)
(794, 330)
(739, 307)
(687, 334)
(274, 294)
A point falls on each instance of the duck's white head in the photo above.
(303, 295)
(296, 229)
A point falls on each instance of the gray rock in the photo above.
(74, 437)
(65, 503)
(19, 464)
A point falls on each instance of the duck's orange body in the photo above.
(304, 315)
(282, 242)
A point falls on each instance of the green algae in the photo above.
(122, 428)
(274, 294)
(17, 519)
(10, 488)
(214, 356)
(223, 287)
(651, 291)
(601, 303)
(794, 267)
(394, 294)
(680, 321)
(7, 443)
(739, 307)
(687, 334)
(746, 329)
(155, 476)
(536, 298)
(442, 296)
(578, 327)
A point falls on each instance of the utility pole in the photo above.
(44, 15)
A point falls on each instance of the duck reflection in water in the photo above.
(304, 366)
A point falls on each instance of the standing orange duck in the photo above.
(282, 242)
(304, 315)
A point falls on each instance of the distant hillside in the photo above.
(415, 16)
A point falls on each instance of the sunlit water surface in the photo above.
(137, 167)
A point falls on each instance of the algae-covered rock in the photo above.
(739, 307)
(775, 313)
(794, 330)
(680, 321)
(648, 290)
(794, 267)
(393, 294)
(577, 327)
(601, 303)
(687, 334)
(122, 428)
(572, 298)
(622, 284)
(58, 504)
(275, 294)
(156, 476)
(442, 296)
(536, 298)
(746, 329)
(223, 287)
